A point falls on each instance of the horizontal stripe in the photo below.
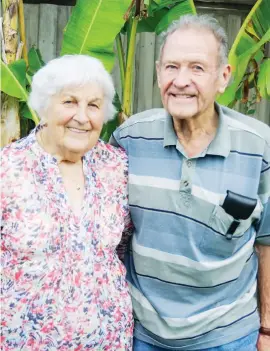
(235, 124)
(249, 324)
(139, 137)
(155, 182)
(149, 166)
(183, 270)
(266, 169)
(245, 153)
(207, 195)
(240, 232)
(174, 213)
(193, 326)
(193, 286)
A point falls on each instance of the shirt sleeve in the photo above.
(128, 225)
(119, 137)
(263, 227)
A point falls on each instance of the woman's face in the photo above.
(75, 117)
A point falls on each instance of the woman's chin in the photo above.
(77, 148)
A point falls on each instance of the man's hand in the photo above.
(263, 343)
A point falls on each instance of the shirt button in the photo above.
(186, 183)
(189, 163)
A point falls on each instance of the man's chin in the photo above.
(182, 114)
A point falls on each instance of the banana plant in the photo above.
(250, 67)
(14, 77)
(16, 83)
(94, 27)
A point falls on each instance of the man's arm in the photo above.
(264, 294)
(263, 250)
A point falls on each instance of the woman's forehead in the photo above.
(91, 90)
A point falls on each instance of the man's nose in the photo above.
(182, 79)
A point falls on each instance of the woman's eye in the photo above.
(93, 105)
(68, 102)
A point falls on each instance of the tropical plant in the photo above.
(250, 66)
(15, 115)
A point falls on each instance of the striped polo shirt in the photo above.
(191, 287)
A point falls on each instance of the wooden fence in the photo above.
(44, 29)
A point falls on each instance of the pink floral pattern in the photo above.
(63, 285)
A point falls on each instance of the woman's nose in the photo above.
(81, 115)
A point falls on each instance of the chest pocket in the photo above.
(214, 240)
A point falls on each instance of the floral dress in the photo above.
(63, 285)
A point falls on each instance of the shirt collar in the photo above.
(220, 145)
(170, 137)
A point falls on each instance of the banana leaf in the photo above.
(13, 82)
(185, 7)
(13, 79)
(248, 45)
(150, 23)
(35, 61)
(264, 79)
(110, 126)
(92, 29)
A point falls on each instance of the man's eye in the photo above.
(198, 68)
(171, 67)
(68, 102)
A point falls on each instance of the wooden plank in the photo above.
(223, 10)
(47, 31)
(31, 16)
(233, 27)
(227, 2)
(116, 77)
(156, 100)
(145, 72)
(62, 19)
(135, 94)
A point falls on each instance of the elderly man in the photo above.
(199, 187)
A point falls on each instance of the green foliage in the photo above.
(110, 126)
(184, 8)
(264, 79)
(247, 54)
(34, 60)
(92, 29)
(13, 79)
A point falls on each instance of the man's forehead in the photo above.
(190, 42)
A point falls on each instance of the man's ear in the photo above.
(158, 72)
(225, 76)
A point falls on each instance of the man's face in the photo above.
(189, 74)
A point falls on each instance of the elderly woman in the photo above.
(64, 208)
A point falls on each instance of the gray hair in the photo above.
(206, 22)
(67, 71)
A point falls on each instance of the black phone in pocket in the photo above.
(239, 207)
